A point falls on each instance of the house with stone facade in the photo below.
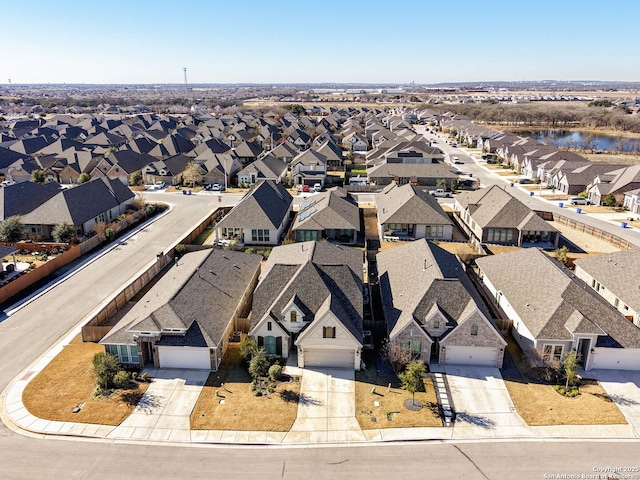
(433, 310)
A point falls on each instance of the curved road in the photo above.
(32, 329)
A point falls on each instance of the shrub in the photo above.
(105, 367)
(145, 377)
(109, 234)
(180, 250)
(257, 393)
(274, 372)
(259, 364)
(121, 379)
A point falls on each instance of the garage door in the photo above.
(471, 356)
(329, 358)
(184, 357)
(616, 358)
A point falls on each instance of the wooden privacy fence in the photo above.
(614, 240)
(97, 326)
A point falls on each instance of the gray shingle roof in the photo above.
(201, 294)
(314, 273)
(266, 206)
(409, 204)
(552, 303)
(333, 211)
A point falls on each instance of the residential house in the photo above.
(615, 277)
(170, 170)
(187, 317)
(24, 197)
(632, 201)
(616, 182)
(328, 216)
(309, 168)
(98, 200)
(409, 212)
(432, 309)
(260, 218)
(265, 168)
(355, 142)
(247, 152)
(553, 312)
(494, 216)
(309, 298)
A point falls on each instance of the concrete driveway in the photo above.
(624, 389)
(482, 403)
(164, 410)
(326, 409)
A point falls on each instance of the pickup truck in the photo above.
(440, 192)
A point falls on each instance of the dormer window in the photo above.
(436, 324)
(328, 332)
(293, 316)
(474, 330)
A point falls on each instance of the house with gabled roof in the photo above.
(615, 182)
(265, 168)
(615, 277)
(309, 298)
(187, 317)
(433, 310)
(122, 164)
(494, 216)
(409, 212)
(98, 200)
(632, 200)
(169, 170)
(260, 218)
(328, 216)
(309, 168)
(554, 312)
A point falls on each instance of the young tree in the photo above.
(247, 348)
(135, 179)
(192, 174)
(84, 178)
(105, 367)
(38, 176)
(259, 364)
(610, 200)
(412, 378)
(100, 229)
(561, 254)
(11, 230)
(63, 233)
(570, 366)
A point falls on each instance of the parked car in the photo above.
(440, 192)
(457, 161)
(7, 183)
(317, 187)
(525, 180)
(579, 201)
(216, 187)
(159, 184)
(305, 188)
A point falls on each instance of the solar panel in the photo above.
(306, 205)
(307, 214)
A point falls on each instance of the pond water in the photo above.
(584, 140)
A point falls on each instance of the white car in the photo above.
(317, 187)
(158, 185)
(7, 183)
(579, 201)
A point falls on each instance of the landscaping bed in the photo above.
(538, 402)
(236, 407)
(391, 411)
(68, 381)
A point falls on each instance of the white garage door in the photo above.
(471, 356)
(184, 357)
(616, 358)
(329, 358)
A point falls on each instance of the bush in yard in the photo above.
(275, 371)
(121, 379)
(63, 232)
(105, 367)
(259, 364)
(109, 234)
(180, 250)
(412, 378)
(247, 348)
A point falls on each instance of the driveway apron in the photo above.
(623, 387)
(326, 409)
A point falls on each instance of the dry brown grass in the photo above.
(241, 410)
(68, 381)
(540, 404)
(391, 413)
(612, 158)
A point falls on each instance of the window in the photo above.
(616, 303)
(328, 332)
(405, 345)
(260, 235)
(436, 324)
(499, 235)
(552, 352)
(416, 347)
(474, 330)
(293, 316)
(133, 350)
(270, 345)
(269, 326)
(437, 231)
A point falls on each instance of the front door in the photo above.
(584, 348)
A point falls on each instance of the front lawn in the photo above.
(538, 403)
(236, 408)
(68, 381)
(391, 412)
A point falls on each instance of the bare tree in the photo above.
(193, 174)
(398, 357)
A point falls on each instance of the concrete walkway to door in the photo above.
(326, 409)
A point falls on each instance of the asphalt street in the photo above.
(31, 330)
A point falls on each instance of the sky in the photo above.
(310, 41)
